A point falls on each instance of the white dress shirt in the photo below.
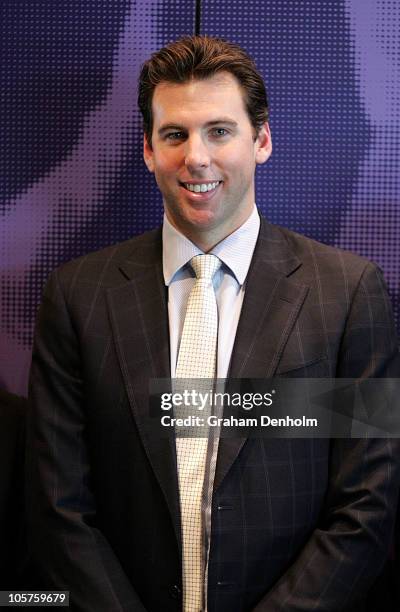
(235, 252)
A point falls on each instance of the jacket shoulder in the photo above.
(99, 265)
(323, 256)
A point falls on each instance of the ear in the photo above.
(263, 144)
(148, 154)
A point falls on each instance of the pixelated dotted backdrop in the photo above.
(72, 177)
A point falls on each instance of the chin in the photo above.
(204, 225)
(200, 218)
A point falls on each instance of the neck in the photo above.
(208, 238)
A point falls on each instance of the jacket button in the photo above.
(175, 592)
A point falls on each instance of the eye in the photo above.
(219, 132)
(174, 135)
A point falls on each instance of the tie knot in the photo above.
(205, 266)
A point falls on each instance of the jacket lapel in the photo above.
(270, 308)
(139, 319)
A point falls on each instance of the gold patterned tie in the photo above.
(196, 359)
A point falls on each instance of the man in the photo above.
(115, 511)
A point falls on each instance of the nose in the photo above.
(197, 155)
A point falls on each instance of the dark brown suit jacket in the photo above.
(296, 524)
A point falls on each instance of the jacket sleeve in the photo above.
(348, 548)
(69, 552)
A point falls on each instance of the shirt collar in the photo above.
(235, 251)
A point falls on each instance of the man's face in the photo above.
(204, 155)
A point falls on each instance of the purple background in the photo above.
(72, 177)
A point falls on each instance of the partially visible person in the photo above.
(13, 554)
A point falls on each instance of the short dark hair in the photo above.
(200, 57)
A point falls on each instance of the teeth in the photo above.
(201, 187)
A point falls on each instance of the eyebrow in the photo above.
(219, 121)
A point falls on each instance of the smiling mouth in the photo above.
(201, 187)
